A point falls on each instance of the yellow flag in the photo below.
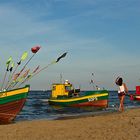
(13, 64)
(24, 56)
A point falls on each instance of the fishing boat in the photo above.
(136, 96)
(12, 95)
(11, 103)
(64, 95)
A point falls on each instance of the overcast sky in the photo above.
(100, 36)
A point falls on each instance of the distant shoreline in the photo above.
(81, 90)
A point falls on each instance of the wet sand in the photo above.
(112, 126)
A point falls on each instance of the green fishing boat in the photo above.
(11, 103)
(65, 96)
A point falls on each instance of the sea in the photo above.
(37, 107)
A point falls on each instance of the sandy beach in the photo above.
(112, 126)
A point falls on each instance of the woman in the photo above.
(121, 92)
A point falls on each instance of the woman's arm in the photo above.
(125, 87)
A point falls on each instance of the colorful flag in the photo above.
(8, 63)
(29, 76)
(36, 69)
(12, 65)
(16, 76)
(26, 73)
(35, 49)
(9, 60)
(62, 56)
(24, 56)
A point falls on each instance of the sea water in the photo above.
(37, 107)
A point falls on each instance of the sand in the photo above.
(112, 126)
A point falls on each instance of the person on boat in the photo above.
(97, 88)
(122, 90)
(67, 82)
(72, 92)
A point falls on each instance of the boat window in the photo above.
(68, 88)
(54, 88)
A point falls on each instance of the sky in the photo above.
(101, 37)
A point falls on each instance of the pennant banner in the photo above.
(62, 56)
(12, 65)
(36, 69)
(26, 73)
(24, 56)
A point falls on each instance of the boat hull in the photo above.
(91, 98)
(101, 103)
(137, 97)
(11, 103)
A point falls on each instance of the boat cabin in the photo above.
(138, 90)
(61, 90)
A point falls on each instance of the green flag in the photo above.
(24, 56)
(9, 60)
(13, 64)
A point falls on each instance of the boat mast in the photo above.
(61, 78)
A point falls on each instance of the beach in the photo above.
(111, 126)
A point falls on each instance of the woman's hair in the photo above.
(119, 81)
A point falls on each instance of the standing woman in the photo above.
(121, 92)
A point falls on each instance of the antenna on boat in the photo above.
(80, 87)
(61, 78)
(92, 81)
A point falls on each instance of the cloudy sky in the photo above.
(100, 36)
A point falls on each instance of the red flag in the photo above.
(26, 73)
(36, 69)
(16, 76)
(35, 49)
